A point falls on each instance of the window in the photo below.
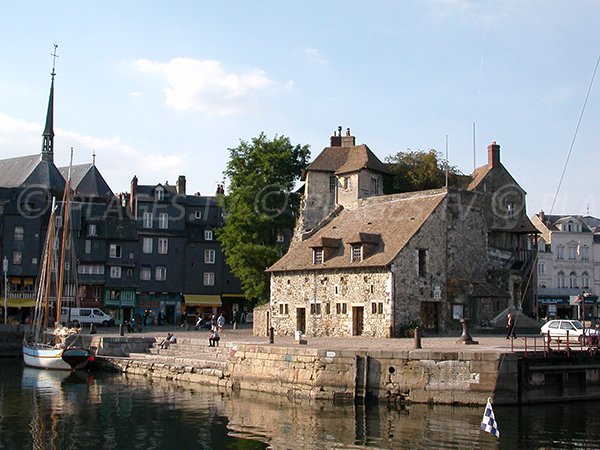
(341, 308)
(198, 215)
(209, 279)
(283, 309)
(336, 290)
(380, 308)
(318, 256)
(332, 183)
(87, 248)
(17, 258)
(373, 308)
(90, 269)
(356, 252)
(208, 235)
(585, 252)
(159, 194)
(280, 237)
(541, 268)
(560, 252)
(315, 308)
(59, 221)
(561, 282)
(160, 273)
(422, 256)
(209, 256)
(19, 233)
(115, 272)
(585, 280)
(572, 252)
(148, 219)
(375, 185)
(163, 221)
(145, 273)
(573, 280)
(115, 251)
(147, 245)
(346, 183)
(163, 246)
(510, 210)
(91, 229)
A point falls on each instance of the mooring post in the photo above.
(418, 337)
(92, 328)
(121, 330)
(271, 335)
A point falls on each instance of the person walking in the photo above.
(510, 325)
(220, 322)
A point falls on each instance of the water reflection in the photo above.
(50, 410)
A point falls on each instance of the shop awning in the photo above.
(13, 302)
(232, 295)
(205, 300)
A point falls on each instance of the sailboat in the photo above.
(55, 348)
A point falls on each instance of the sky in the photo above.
(159, 89)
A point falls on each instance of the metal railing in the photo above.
(562, 344)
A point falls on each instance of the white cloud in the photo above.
(116, 160)
(206, 86)
(313, 55)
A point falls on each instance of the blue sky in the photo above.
(159, 89)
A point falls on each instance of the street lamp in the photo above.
(5, 269)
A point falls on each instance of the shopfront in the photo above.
(555, 307)
(197, 305)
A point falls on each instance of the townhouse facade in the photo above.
(568, 266)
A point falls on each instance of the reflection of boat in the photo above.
(57, 282)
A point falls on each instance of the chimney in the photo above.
(336, 139)
(348, 140)
(180, 185)
(133, 195)
(493, 154)
(542, 216)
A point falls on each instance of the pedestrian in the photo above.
(159, 318)
(146, 316)
(510, 325)
(220, 322)
(214, 338)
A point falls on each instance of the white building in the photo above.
(568, 265)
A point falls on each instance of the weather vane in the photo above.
(54, 55)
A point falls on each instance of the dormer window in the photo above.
(357, 252)
(159, 194)
(318, 256)
(510, 209)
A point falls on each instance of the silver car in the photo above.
(557, 330)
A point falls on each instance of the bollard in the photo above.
(271, 335)
(418, 338)
(121, 330)
(92, 328)
(235, 325)
(466, 338)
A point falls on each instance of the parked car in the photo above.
(82, 316)
(557, 330)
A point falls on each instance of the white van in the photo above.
(83, 316)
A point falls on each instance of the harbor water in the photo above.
(57, 410)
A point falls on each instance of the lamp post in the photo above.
(5, 269)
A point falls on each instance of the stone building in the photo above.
(377, 265)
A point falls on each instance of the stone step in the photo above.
(181, 360)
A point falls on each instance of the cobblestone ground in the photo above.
(243, 335)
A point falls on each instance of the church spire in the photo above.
(48, 135)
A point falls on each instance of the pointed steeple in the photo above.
(48, 135)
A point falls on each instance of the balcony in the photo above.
(563, 291)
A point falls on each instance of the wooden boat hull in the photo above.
(52, 358)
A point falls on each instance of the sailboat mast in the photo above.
(63, 244)
(48, 264)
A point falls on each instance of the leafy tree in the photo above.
(420, 170)
(259, 205)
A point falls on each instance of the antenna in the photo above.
(447, 162)
(54, 56)
(474, 153)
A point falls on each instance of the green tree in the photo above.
(420, 170)
(259, 205)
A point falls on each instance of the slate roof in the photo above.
(47, 175)
(550, 221)
(87, 180)
(14, 171)
(347, 159)
(387, 223)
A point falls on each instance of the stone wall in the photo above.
(333, 295)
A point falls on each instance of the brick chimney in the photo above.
(542, 216)
(348, 140)
(493, 154)
(336, 139)
(180, 185)
(133, 195)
